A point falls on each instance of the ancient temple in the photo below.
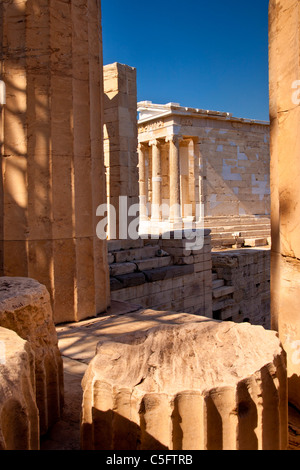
(204, 165)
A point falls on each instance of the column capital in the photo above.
(142, 145)
(154, 142)
(175, 138)
(196, 140)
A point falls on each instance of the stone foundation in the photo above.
(19, 416)
(201, 385)
(25, 308)
(163, 274)
(248, 273)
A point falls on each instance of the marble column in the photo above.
(143, 183)
(200, 179)
(53, 175)
(156, 180)
(284, 33)
(185, 179)
(175, 197)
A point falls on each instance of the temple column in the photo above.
(284, 33)
(143, 183)
(194, 175)
(53, 175)
(175, 198)
(185, 180)
(200, 179)
(156, 180)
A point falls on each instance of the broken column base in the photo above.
(194, 385)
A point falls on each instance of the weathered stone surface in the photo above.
(19, 416)
(224, 160)
(130, 280)
(53, 176)
(120, 139)
(178, 283)
(198, 385)
(25, 308)
(284, 45)
(248, 271)
(168, 272)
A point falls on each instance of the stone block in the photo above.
(19, 415)
(152, 263)
(130, 280)
(118, 269)
(223, 291)
(136, 254)
(115, 285)
(168, 272)
(25, 308)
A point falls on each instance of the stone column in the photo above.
(156, 180)
(120, 143)
(143, 183)
(284, 46)
(175, 198)
(194, 175)
(200, 176)
(185, 179)
(53, 175)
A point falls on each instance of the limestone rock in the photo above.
(19, 416)
(195, 386)
(25, 308)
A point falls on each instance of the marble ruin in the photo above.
(120, 139)
(193, 158)
(285, 147)
(52, 152)
(215, 391)
(19, 415)
(165, 342)
(25, 308)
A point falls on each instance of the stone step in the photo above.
(214, 276)
(117, 245)
(118, 269)
(169, 272)
(239, 228)
(218, 283)
(153, 263)
(220, 304)
(223, 242)
(230, 221)
(255, 233)
(223, 291)
(243, 234)
(248, 242)
(136, 254)
(127, 280)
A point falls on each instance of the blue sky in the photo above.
(210, 55)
